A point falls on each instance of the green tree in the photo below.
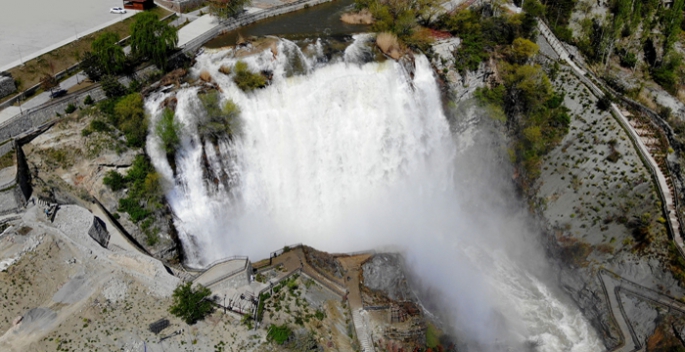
(49, 82)
(90, 64)
(529, 83)
(219, 120)
(152, 39)
(114, 180)
(112, 87)
(226, 9)
(522, 49)
(167, 130)
(109, 55)
(191, 304)
(130, 119)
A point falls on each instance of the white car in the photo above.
(117, 10)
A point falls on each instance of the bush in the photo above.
(143, 188)
(135, 86)
(114, 180)
(167, 130)
(113, 89)
(191, 304)
(129, 118)
(279, 334)
(246, 79)
(604, 103)
(628, 60)
(667, 73)
(99, 126)
(70, 108)
(89, 100)
(218, 120)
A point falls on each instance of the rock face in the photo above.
(7, 86)
(98, 232)
(384, 272)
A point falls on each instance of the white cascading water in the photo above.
(348, 156)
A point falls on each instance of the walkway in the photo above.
(222, 270)
(614, 285)
(352, 266)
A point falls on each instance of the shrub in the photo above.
(604, 103)
(99, 126)
(144, 188)
(246, 79)
(135, 86)
(70, 108)
(130, 119)
(667, 73)
(167, 130)
(218, 120)
(89, 100)
(191, 304)
(279, 334)
(112, 87)
(628, 60)
(114, 180)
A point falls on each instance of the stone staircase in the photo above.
(362, 334)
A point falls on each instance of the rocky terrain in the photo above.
(68, 166)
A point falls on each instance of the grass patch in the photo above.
(8, 159)
(279, 333)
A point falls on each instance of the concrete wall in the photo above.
(7, 86)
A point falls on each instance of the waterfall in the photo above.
(349, 155)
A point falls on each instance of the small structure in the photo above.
(139, 4)
(159, 325)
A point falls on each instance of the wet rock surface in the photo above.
(385, 273)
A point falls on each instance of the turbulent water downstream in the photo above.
(346, 155)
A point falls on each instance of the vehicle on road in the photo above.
(58, 93)
(118, 10)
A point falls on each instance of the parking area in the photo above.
(30, 26)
